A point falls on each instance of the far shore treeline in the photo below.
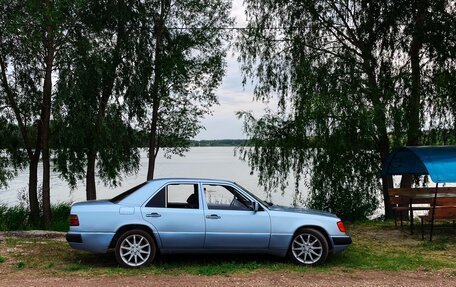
(10, 136)
(85, 84)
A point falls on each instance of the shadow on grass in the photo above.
(200, 264)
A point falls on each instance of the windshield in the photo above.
(264, 203)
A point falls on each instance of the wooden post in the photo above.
(433, 211)
(411, 216)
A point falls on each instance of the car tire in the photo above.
(135, 248)
(308, 247)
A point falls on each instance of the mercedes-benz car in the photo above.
(202, 216)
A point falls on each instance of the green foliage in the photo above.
(60, 213)
(17, 218)
(341, 75)
(16, 87)
(20, 265)
(33, 41)
(176, 69)
(12, 157)
(113, 79)
(13, 218)
(89, 120)
(2, 259)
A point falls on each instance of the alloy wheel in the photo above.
(307, 248)
(135, 250)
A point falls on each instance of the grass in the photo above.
(432, 245)
(17, 218)
(376, 246)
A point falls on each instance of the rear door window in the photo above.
(176, 196)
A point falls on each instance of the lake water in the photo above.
(205, 162)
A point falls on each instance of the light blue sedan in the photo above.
(201, 216)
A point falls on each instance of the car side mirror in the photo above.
(256, 206)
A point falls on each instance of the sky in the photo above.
(232, 96)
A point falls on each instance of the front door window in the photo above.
(225, 198)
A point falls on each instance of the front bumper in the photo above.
(93, 242)
(340, 243)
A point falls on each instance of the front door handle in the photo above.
(153, 214)
(213, 216)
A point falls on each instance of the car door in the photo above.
(177, 214)
(231, 222)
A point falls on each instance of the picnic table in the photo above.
(439, 162)
(440, 205)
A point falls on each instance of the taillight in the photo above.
(341, 226)
(74, 220)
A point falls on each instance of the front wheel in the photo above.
(309, 247)
(135, 248)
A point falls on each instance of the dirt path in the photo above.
(358, 278)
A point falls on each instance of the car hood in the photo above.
(301, 210)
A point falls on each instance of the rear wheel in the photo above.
(308, 247)
(135, 248)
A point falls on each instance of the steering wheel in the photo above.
(233, 203)
(236, 204)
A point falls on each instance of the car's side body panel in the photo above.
(100, 216)
(285, 224)
(177, 228)
(237, 229)
(100, 221)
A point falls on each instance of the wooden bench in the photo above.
(399, 205)
(407, 200)
(443, 209)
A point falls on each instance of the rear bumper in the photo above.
(73, 238)
(340, 243)
(93, 242)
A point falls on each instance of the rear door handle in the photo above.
(213, 216)
(153, 214)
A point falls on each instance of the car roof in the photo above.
(190, 179)
(139, 196)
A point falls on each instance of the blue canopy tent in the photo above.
(439, 162)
